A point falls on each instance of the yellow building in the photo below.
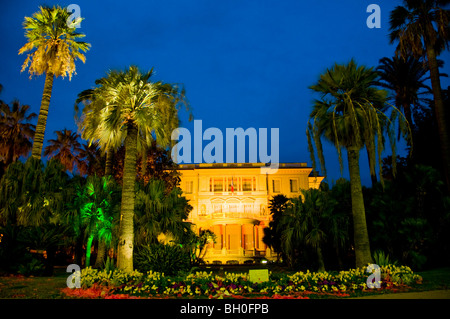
(232, 201)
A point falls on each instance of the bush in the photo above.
(382, 259)
(165, 259)
(34, 268)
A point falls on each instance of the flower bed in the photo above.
(116, 284)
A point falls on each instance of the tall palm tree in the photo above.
(350, 115)
(54, 47)
(128, 107)
(15, 130)
(422, 29)
(66, 148)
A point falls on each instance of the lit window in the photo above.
(189, 187)
(248, 208)
(246, 184)
(217, 208)
(218, 185)
(293, 185)
(276, 185)
(233, 208)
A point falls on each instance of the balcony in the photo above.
(230, 215)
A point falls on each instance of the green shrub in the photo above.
(382, 259)
(165, 259)
(34, 268)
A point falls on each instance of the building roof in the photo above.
(239, 165)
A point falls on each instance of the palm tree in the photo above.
(100, 205)
(161, 213)
(349, 115)
(66, 148)
(31, 194)
(54, 47)
(15, 131)
(422, 29)
(303, 222)
(405, 77)
(92, 161)
(128, 107)
(277, 206)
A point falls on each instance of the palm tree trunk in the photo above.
(126, 230)
(360, 233)
(372, 161)
(109, 160)
(439, 112)
(42, 119)
(88, 250)
(100, 253)
(320, 259)
(408, 116)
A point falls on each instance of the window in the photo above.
(216, 184)
(276, 185)
(232, 184)
(189, 187)
(233, 208)
(217, 208)
(294, 185)
(248, 208)
(246, 184)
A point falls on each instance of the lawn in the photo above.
(19, 287)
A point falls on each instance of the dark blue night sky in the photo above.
(243, 63)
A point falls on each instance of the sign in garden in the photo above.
(258, 275)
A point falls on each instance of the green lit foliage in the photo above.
(99, 210)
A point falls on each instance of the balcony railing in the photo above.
(221, 215)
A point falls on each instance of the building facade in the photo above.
(232, 201)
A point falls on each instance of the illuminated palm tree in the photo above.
(422, 29)
(66, 148)
(98, 211)
(15, 131)
(350, 115)
(54, 47)
(127, 107)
